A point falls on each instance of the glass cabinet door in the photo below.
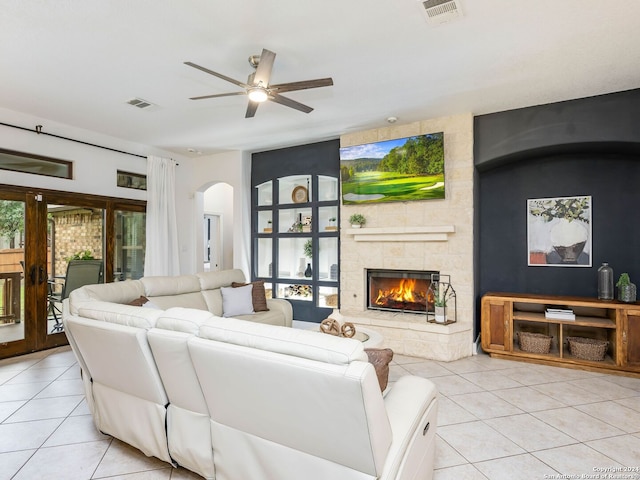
(327, 188)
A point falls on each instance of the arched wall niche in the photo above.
(580, 147)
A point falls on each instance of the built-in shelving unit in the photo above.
(505, 315)
(295, 227)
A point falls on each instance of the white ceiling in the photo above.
(77, 62)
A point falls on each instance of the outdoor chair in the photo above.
(79, 273)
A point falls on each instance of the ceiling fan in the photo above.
(258, 88)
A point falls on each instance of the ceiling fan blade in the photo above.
(218, 95)
(303, 85)
(216, 74)
(290, 103)
(263, 72)
(251, 109)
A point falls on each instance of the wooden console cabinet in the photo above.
(504, 315)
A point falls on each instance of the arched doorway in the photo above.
(216, 250)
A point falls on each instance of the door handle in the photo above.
(42, 277)
(32, 275)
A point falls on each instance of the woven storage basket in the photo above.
(331, 300)
(534, 342)
(587, 348)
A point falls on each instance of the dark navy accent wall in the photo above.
(580, 147)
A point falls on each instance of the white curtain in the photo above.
(161, 256)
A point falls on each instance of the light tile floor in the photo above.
(498, 419)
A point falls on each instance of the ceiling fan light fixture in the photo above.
(258, 94)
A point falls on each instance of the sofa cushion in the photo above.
(258, 295)
(288, 341)
(120, 314)
(170, 285)
(187, 320)
(116, 292)
(221, 278)
(272, 317)
(213, 299)
(236, 301)
(178, 291)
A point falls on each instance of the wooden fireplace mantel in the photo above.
(437, 233)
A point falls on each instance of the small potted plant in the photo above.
(626, 289)
(357, 220)
(81, 255)
(440, 304)
(268, 228)
(332, 224)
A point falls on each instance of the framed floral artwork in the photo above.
(559, 232)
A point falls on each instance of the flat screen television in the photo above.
(399, 170)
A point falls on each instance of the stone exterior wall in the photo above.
(76, 231)
(408, 333)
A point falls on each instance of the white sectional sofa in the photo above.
(233, 399)
(201, 291)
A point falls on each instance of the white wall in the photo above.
(232, 168)
(218, 199)
(94, 169)
(95, 173)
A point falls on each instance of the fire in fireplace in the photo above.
(399, 290)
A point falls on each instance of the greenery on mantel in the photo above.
(357, 219)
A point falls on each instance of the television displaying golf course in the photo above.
(398, 170)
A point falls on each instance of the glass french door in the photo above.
(23, 274)
(75, 231)
(130, 245)
(13, 329)
(39, 235)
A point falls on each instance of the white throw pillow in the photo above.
(237, 301)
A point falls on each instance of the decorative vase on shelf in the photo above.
(605, 282)
(627, 293)
(626, 289)
(301, 267)
(307, 272)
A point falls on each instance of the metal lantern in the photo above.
(442, 304)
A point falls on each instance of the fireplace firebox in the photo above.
(399, 290)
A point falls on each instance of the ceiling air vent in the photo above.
(140, 103)
(440, 11)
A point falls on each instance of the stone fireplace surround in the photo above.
(420, 235)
